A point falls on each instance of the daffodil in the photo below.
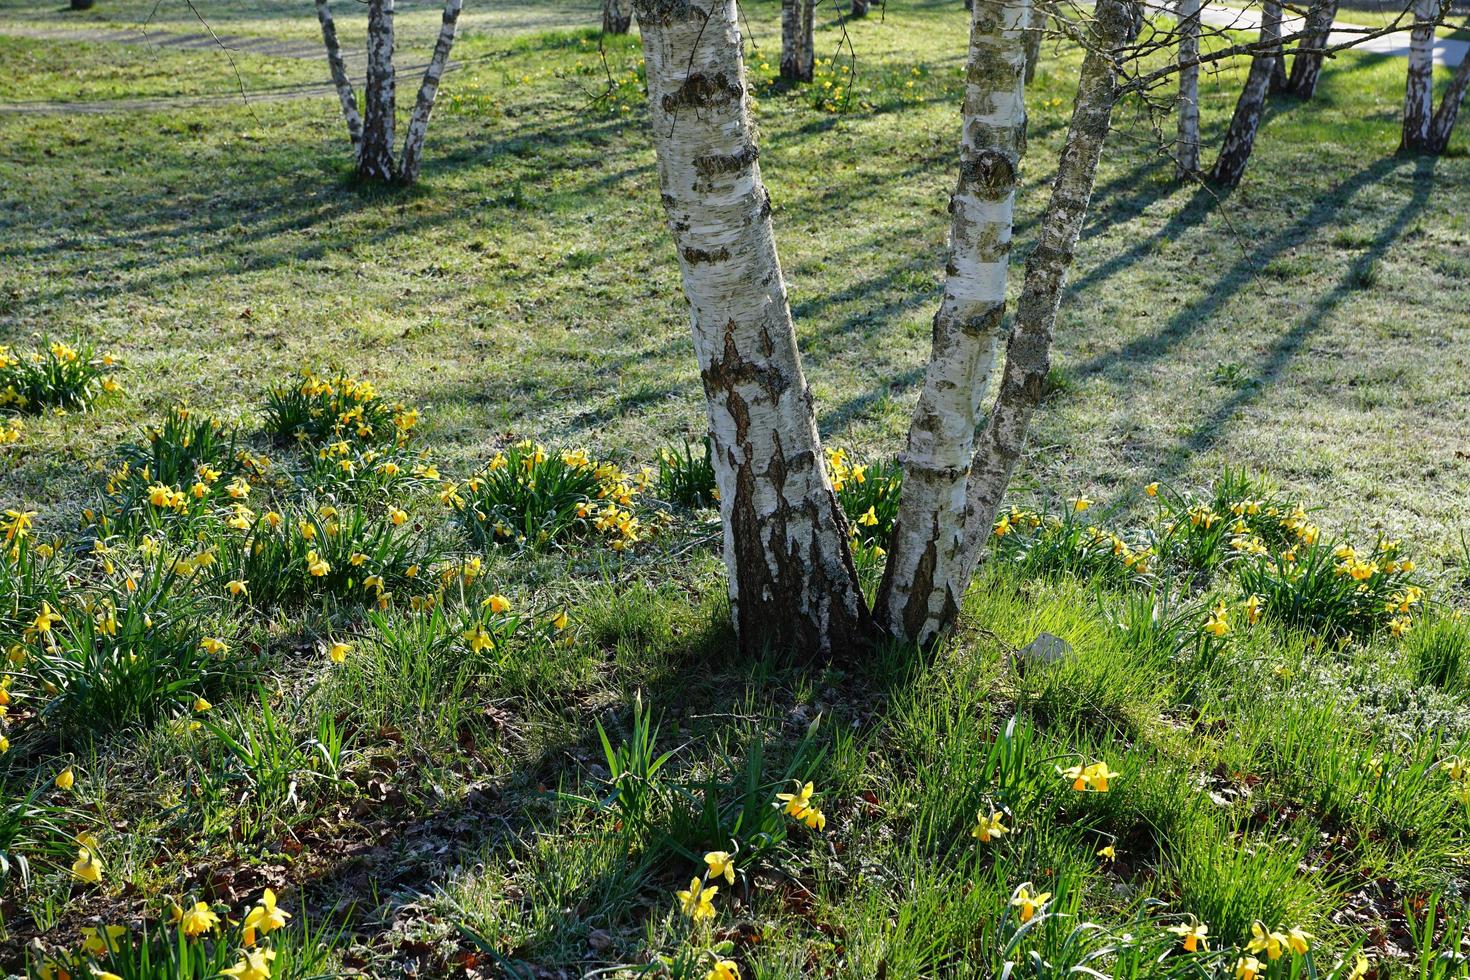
(497, 604)
(265, 917)
(46, 618)
(1270, 942)
(87, 866)
(198, 920)
(988, 828)
(723, 970)
(721, 864)
(65, 779)
(1298, 941)
(797, 803)
(1152, 489)
(316, 564)
(697, 901)
(814, 819)
(1247, 968)
(255, 964)
(1079, 504)
(213, 645)
(1109, 853)
(104, 940)
(1028, 903)
(201, 705)
(1192, 935)
(478, 639)
(337, 651)
(237, 586)
(1253, 607)
(1219, 622)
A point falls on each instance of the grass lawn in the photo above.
(473, 790)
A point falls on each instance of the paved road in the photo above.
(1446, 51)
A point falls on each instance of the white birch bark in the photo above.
(791, 578)
(1306, 65)
(418, 123)
(1449, 108)
(339, 76)
(1028, 352)
(616, 19)
(1240, 137)
(1187, 150)
(375, 161)
(922, 586)
(1419, 80)
(1271, 31)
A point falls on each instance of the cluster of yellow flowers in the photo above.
(253, 960)
(1274, 943)
(11, 431)
(844, 472)
(799, 806)
(1218, 622)
(1089, 778)
(65, 377)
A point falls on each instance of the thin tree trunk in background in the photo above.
(375, 161)
(1443, 124)
(859, 8)
(1028, 353)
(1271, 31)
(1240, 138)
(798, 54)
(1419, 78)
(1187, 152)
(921, 589)
(343, 84)
(792, 582)
(1306, 66)
(1035, 26)
(418, 123)
(615, 18)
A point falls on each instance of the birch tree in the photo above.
(1186, 153)
(922, 585)
(616, 18)
(798, 45)
(1271, 31)
(1420, 125)
(1240, 137)
(373, 131)
(1306, 64)
(792, 582)
(1443, 124)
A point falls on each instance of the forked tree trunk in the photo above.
(1035, 25)
(343, 84)
(1240, 138)
(1306, 66)
(1419, 84)
(798, 47)
(792, 582)
(1271, 31)
(616, 18)
(375, 159)
(418, 123)
(922, 587)
(1187, 152)
(1449, 108)
(1028, 353)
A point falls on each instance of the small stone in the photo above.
(1045, 649)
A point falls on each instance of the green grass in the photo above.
(476, 789)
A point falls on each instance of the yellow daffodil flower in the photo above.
(65, 779)
(1028, 903)
(797, 803)
(337, 651)
(198, 920)
(1247, 968)
(87, 867)
(201, 705)
(721, 865)
(1109, 853)
(723, 970)
(1192, 935)
(1272, 943)
(988, 828)
(255, 964)
(697, 901)
(497, 604)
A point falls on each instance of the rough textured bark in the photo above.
(1419, 84)
(423, 107)
(1035, 26)
(1449, 108)
(1240, 138)
(1186, 153)
(375, 158)
(339, 76)
(791, 578)
(798, 47)
(616, 18)
(1028, 353)
(1271, 31)
(1306, 66)
(921, 589)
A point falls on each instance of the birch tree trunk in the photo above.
(1271, 31)
(859, 8)
(343, 84)
(1419, 83)
(423, 107)
(798, 47)
(615, 18)
(1028, 353)
(1035, 25)
(1306, 66)
(791, 578)
(1449, 108)
(922, 587)
(1240, 138)
(1187, 152)
(375, 160)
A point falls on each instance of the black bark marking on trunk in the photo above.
(702, 92)
(990, 175)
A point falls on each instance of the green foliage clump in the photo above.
(685, 478)
(54, 376)
(321, 409)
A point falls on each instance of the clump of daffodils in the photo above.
(799, 806)
(53, 376)
(319, 409)
(1088, 778)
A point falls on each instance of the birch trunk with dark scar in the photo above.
(1306, 66)
(1028, 353)
(423, 107)
(616, 19)
(1271, 31)
(1187, 152)
(338, 67)
(1419, 83)
(792, 582)
(798, 48)
(375, 160)
(1240, 138)
(922, 587)
(1449, 107)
